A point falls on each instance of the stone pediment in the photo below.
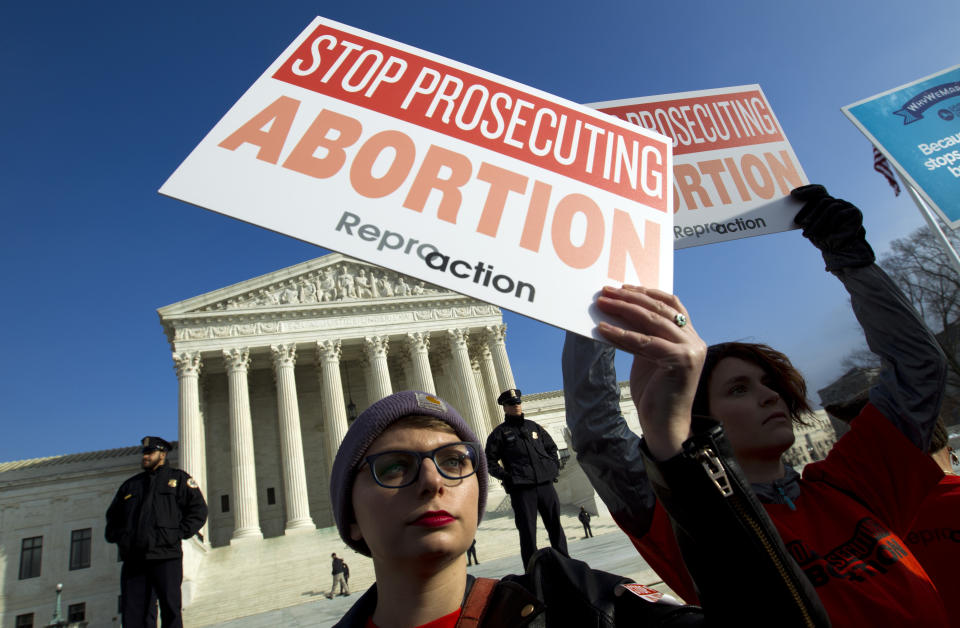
(320, 296)
(331, 279)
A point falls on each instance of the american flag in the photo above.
(881, 165)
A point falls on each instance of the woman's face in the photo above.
(754, 416)
(430, 519)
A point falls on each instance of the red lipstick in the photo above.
(434, 519)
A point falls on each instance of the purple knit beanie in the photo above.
(367, 427)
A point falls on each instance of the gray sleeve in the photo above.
(607, 450)
(914, 368)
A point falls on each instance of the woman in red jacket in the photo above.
(844, 521)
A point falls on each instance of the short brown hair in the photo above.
(785, 378)
(940, 438)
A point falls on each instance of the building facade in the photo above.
(52, 518)
(272, 370)
(812, 440)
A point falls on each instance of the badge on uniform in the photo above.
(192, 483)
(534, 435)
(128, 496)
(172, 483)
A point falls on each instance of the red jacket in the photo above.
(847, 531)
(935, 540)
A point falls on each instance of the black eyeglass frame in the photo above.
(420, 456)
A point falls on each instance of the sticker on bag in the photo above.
(647, 594)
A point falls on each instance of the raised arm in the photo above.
(914, 369)
(607, 450)
(723, 532)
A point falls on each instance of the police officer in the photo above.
(524, 458)
(152, 512)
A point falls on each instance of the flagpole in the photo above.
(932, 223)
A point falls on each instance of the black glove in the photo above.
(507, 486)
(834, 226)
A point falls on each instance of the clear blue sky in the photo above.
(101, 101)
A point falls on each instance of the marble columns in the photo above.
(495, 335)
(190, 424)
(492, 388)
(482, 393)
(246, 516)
(421, 378)
(377, 372)
(463, 376)
(331, 387)
(296, 499)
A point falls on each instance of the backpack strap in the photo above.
(476, 602)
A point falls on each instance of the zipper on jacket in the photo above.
(715, 470)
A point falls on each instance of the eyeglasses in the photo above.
(396, 469)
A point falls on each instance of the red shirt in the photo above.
(447, 621)
(935, 540)
(846, 533)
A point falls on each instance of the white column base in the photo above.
(300, 526)
(245, 536)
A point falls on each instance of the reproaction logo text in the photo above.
(731, 226)
(479, 272)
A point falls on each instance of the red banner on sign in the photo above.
(481, 111)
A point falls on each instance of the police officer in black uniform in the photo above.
(524, 458)
(152, 512)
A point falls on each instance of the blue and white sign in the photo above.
(917, 127)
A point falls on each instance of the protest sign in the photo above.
(917, 127)
(441, 171)
(733, 166)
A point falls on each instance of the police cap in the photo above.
(509, 397)
(154, 443)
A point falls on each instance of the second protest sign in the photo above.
(733, 166)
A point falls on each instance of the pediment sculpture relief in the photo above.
(340, 282)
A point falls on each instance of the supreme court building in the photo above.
(269, 372)
(273, 370)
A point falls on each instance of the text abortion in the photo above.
(446, 172)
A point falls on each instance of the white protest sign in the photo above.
(733, 166)
(441, 171)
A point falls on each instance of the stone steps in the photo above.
(258, 576)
